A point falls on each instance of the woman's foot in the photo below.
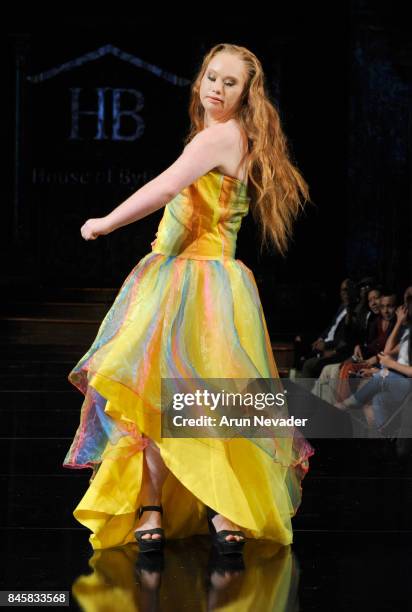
(220, 523)
(348, 403)
(149, 520)
(341, 406)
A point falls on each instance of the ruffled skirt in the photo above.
(180, 318)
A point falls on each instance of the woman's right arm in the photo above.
(391, 346)
(208, 149)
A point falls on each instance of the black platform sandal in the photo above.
(224, 546)
(150, 544)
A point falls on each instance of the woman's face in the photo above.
(373, 301)
(221, 86)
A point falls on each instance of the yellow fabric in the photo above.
(222, 334)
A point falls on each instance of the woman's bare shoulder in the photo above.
(231, 165)
(225, 134)
(233, 127)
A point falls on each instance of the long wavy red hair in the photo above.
(277, 189)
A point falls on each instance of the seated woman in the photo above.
(391, 382)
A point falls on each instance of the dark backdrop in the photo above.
(342, 83)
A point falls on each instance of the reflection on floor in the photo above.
(320, 571)
(191, 578)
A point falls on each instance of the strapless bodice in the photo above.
(203, 220)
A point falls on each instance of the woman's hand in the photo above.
(402, 314)
(358, 352)
(368, 372)
(94, 228)
(385, 360)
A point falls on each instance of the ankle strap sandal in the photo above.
(219, 537)
(150, 544)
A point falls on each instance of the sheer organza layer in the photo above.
(177, 317)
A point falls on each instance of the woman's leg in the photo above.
(398, 385)
(154, 474)
(396, 388)
(365, 393)
(325, 385)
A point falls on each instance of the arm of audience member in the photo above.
(394, 352)
(357, 351)
(322, 335)
(401, 368)
(388, 362)
(374, 360)
(368, 372)
(401, 316)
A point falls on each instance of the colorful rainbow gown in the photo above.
(188, 309)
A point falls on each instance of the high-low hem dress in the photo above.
(188, 309)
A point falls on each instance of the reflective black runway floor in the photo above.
(352, 539)
(320, 571)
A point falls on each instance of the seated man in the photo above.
(337, 341)
(370, 335)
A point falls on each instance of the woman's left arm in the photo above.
(388, 362)
(403, 369)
